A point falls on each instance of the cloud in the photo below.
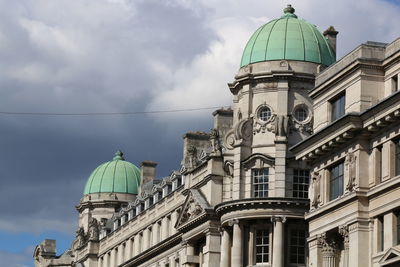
(119, 56)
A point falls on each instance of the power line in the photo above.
(106, 113)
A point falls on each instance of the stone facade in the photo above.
(275, 175)
(354, 217)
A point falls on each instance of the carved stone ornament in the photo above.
(191, 210)
(228, 167)
(93, 230)
(214, 139)
(80, 237)
(344, 232)
(193, 160)
(329, 246)
(306, 127)
(350, 163)
(229, 140)
(314, 191)
(243, 129)
(262, 127)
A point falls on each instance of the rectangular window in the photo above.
(397, 214)
(338, 107)
(297, 246)
(262, 246)
(395, 83)
(300, 183)
(397, 143)
(380, 233)
(260, 182)
(336, 181)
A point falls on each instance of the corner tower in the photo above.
(271, 112)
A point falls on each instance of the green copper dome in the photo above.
(116, 176)
(288, 38)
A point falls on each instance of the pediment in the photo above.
(195, 204)
(258, 160)
(391, 256)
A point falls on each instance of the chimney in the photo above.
(48, 248)
(330, 34)
(147, 172)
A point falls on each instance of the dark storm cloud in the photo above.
(83, 56)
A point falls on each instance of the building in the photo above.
(241, 197)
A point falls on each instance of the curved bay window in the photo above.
(260, 182)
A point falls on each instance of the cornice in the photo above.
(256, 203)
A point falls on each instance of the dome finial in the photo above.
(289, 9)
(118, 155)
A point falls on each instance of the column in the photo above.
(278, 259)
(156, 230)
(237, 244)
(100, 262)
(359, 243)
(146, 239)
(189, 259)
(344, 232)
(211, 250)
(314, 248)
(106, 260)
(165, 230)
(112, 258)
(128, 252)
(389, 224)
(174, 217)
(329, 253)
(225, 248)
(136, 248)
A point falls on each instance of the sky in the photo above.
(81, 56)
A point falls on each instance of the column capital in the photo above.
(344, 232)
(329, 246)
(276, 219)
(233, 222)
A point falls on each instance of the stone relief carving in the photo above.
(350, 163)
(344, 232)
(243, 129)
(228, 167)
(270, 125)
(93, 231)
(80, 237)
(329, 246)
(191, 210)
(306, 127)
(314, 191)
(229, 140)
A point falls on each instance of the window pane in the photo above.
(300, 183)
(297, 246)
(262, 246)
(338, 107)
(336, 181)
(260, 182)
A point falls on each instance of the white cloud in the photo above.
(202, 82)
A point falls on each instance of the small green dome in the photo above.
(288, 38)
(116, 176)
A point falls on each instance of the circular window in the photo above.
(264, 113)
(301, 113)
